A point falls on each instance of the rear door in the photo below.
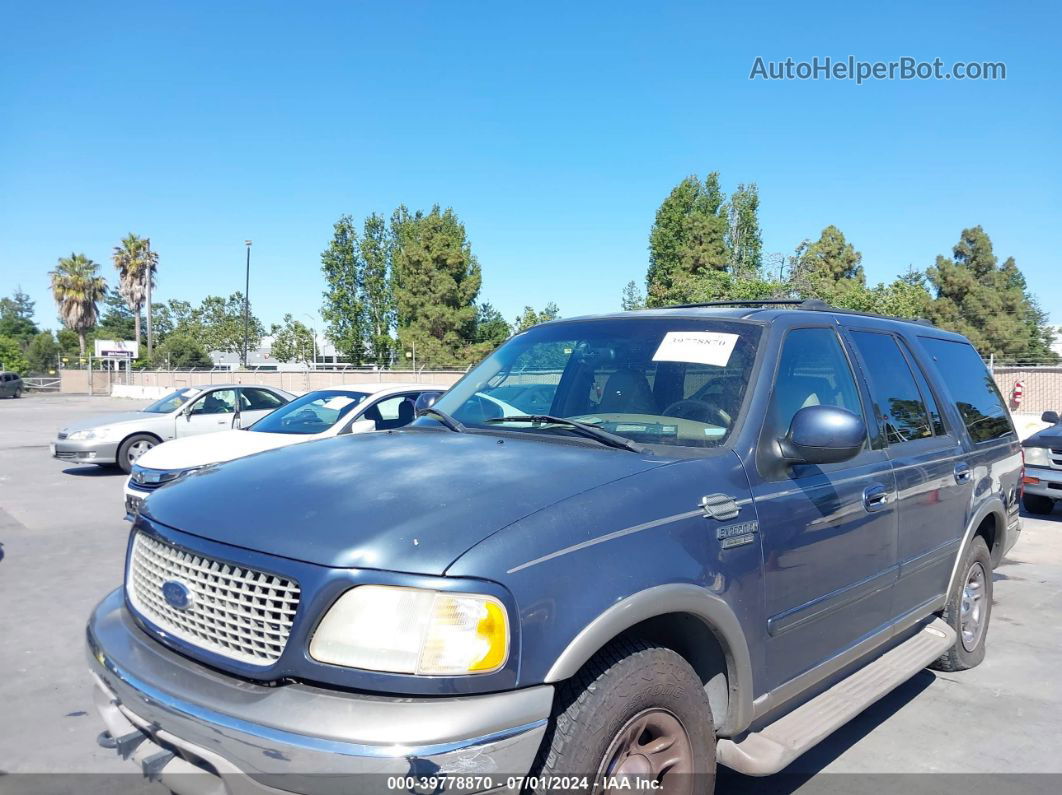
(828, 532)
(933, 479)
(255, 403)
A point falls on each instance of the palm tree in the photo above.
(136, 263)
(77, 287)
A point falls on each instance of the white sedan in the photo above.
(348, 408)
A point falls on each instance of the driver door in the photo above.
(208, 413)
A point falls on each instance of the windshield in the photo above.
(675, 381)
(314, 412)
(173, 401)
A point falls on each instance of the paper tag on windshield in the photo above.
(700, 347)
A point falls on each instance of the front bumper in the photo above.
(177, 718)
(1049, 482)
(90, 451)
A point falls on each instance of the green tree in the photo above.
(42, 353)
(831, 258)
(491, 326)
(529, 317)
(436, 281)
(343, 310)
(292, 341)
(987, 302)
(745, 238)
(377, 292)
(217, 324)
(11, 357)
(632, 297)
(16, 316)
(180, 350)
(77, 288)
(136, 264)
(116, 318)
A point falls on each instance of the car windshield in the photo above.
(173, 401)
(314, 412)
(654, 380)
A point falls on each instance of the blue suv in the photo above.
(620, 549)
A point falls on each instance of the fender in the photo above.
(993, 504)
(717, 616)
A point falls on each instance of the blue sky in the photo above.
(553, 129)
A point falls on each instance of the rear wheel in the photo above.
(635, 712)
(18, 392)
(969, 609)
(132, 448)
(1034, 503)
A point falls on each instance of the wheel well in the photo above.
(129, 436)
(988, 530)
(689, 636)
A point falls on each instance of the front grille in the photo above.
(65, 454)
(237, 612)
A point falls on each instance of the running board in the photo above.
(777, 744)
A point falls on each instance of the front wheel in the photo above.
(969, 609)
(1035, 503)
(635, 713)
(132, 448)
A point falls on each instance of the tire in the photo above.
(18, 393)
(628, 695)
(968, 650)
(1034, 503)
(132, 448)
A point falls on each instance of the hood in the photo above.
(411, 500)
(210, 448)
(1048, 437)
(110, 419)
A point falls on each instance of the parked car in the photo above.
(733, 530)
(1042, 484)
(11, 385)
(348, 408)
(120, 439)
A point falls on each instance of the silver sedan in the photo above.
(120, 439)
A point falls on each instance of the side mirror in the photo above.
(1049, 416)
(362, 426)
(823, 435)
(424, 402)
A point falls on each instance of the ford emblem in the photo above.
(177, 594)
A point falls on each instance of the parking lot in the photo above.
(63, 541)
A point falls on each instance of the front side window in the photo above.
(892, 385)
(393, 412)
(220, 401)
(812, 371)
(972, 388)
(676, 381)
(173, 401)
(314, 412)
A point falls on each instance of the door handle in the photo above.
(875, 498)
(963, 474)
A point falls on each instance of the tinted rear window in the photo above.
(971, 387)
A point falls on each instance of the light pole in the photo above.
(246, 301)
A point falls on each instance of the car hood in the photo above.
(1048, 437)
(210, 448)
(111, 419)
(411, 500)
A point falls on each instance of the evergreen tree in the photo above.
(491, 327)
(344, 310)
(830, 258)
(377, 298)
(16, 316)
(529, 317)
(42, 354)
(632, 297)
(689, 237)
(436, 281)
(988, 303)
(745, 238)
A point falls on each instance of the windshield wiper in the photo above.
(581, 428)
(445, 419)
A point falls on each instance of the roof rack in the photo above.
(810, 304)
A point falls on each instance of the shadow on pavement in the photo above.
(93, 471)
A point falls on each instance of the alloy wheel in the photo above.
(972, 607)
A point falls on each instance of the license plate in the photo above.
(132, 504)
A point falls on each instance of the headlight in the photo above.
(413, 631)
(1037, 456)
(88, 433)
